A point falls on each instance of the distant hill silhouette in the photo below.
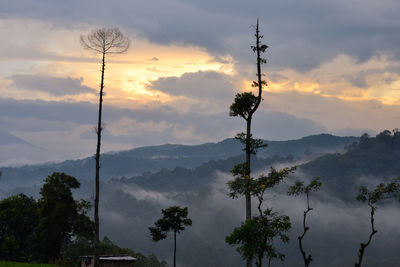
(376, 157)
(169, 156)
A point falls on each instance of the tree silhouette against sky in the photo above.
(245, 105)
(104, 41)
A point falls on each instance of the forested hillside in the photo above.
(153, 159)
(370, 160)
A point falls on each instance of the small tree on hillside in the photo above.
(105, 42)
(373, 198)
(174, 220)
(299, 189)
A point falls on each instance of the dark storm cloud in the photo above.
(179, 127)
(282, 126)
(358, 81)
(77, 112)
(301, 34)
(387, 74)
(202, 84)
(51, 85)
(47, 110)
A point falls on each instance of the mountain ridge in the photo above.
(154, 158)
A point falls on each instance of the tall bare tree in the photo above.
(104, 41)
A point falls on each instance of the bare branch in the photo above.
(105, 40)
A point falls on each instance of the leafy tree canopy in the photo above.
(243, 105)
(255, 236)
(61, 217)
(19, 216)
(174, 219)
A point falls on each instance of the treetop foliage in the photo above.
(298, 188)
(381, 192)
(243, 105)
(243, 183)
(174, 219)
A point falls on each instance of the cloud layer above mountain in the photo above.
(333, 66)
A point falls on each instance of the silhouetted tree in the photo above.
(104, 41)
(372, 198)
(61, 217)
(244, 105)
(174, 220)
(19, 217)
(256, 235)
(299, 189)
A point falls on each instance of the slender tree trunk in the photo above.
(96, 200)
(364, 245)
(248, 162)
(259, 261)
(174, 248)
(307, 258)
(248, 129)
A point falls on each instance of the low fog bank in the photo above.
(337, 224)
(336, 227)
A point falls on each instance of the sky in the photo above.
(332, 67)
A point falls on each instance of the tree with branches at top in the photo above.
(373, 198)
(105, 41)
(174, 220)
(299, 189)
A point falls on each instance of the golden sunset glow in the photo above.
(129, 74)
(179, 76)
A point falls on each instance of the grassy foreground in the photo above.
(21, 264)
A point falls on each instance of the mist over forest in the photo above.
(338, 223)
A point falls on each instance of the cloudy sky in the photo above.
(333, 66)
